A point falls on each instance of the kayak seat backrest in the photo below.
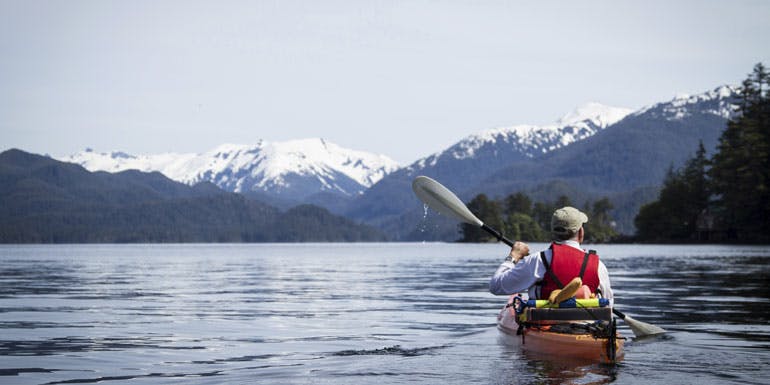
(569, 314)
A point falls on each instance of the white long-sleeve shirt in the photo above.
(513, 278)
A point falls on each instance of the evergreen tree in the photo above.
(741, 167)
(521, 220)
(542, 213)
(682, 200)
(562, 201)
(698, 186)
(489, 212)
(520, 226)
(518, 221)
(651, 222)
(733, 196)
(600, 225)
(518, 203)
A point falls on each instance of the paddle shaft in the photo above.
(497, 235)
(618, 313)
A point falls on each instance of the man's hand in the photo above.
(519, 251)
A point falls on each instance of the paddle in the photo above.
(439, 198)
(639, 328)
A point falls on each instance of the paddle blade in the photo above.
(440, 199)
(642, 329)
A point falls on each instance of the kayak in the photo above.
(575, 329)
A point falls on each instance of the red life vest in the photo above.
(566, 264)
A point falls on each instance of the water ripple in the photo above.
(357, 314)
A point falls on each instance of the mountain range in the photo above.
(317, 171)
(287, 173)
(592, 152)
(43, 200)
(626, 160)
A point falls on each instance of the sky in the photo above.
(401, 78)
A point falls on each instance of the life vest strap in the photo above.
(585, 264)
(549, 271)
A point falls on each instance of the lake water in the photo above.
(357, 314)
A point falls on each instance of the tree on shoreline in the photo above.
(489, 212)
(727, 198)
(682, 200)
(518, 218)
(741, 166)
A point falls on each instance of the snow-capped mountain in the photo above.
(293, 169)
(590, 153)
(529, 140)
(720, 101)
(466, 163)
(627, 150)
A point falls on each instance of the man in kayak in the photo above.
(540, 274)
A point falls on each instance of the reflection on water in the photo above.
(373, 313)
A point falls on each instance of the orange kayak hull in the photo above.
(572, 346)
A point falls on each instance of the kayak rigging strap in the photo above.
(565, 318)
(612, 339)
(596, 329)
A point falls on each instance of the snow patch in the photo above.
(719, 101)
(533, 140)
(597, 113)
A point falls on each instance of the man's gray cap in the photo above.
(567, 220)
